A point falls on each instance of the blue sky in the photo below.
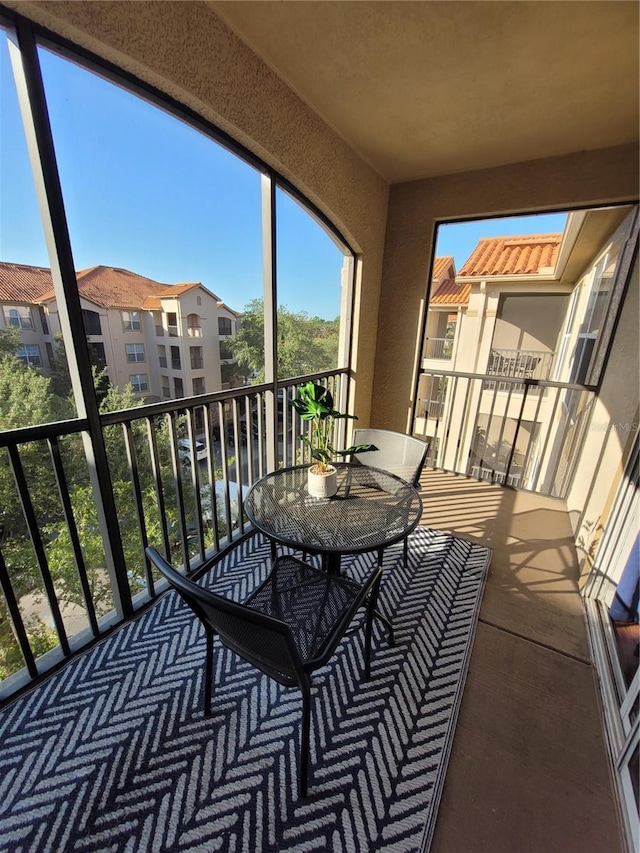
(147, 193)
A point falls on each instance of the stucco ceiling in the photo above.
(428, 88)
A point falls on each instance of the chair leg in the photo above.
(305, 737)
(371, 612)
(386, 622)
(405, 552)
(208, 674)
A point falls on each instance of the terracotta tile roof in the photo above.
(440, 267)
(451, 293)
(524, 255)
(117, 288)
(22, 283)
(107, 286)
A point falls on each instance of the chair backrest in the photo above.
(397, 453)
(264, 641)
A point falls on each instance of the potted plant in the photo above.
(314, 403)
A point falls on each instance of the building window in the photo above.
(194, 329)
(18, 316)
(91, 322)
(162, 355)
(140, 382)
(198, 300)
(178, 388)
(198, 386)
(175, 358)
(135, 352)
(225, 352)
(598, 299)
(197, 361)
(43, 320)
(172, 324)
(157, 322)
(50, 356)
(97, 354)
(29, 355)
(131, 321)
(224, 326)
(166, 389)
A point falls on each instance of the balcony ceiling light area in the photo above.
(420, 89)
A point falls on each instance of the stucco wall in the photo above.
(613, 427)
(186, 51)
(593, 177)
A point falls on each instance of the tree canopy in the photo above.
(305, 344)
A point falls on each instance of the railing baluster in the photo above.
(212, 427)
(195, 481)
(157, 482)
(38, 547)
(65, 500)
(551, 421)
(177, 471)
(16, 619)
(135, 482)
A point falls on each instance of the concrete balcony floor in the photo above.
(528, 771)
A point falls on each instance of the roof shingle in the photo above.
(109, 287)
(22, 283)
(526, 255)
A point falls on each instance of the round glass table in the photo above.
(371, 510)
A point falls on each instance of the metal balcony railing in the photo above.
(179, 470)
(519, 364)
(441, 348)
(525, 433)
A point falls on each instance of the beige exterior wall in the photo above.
(34, 336)
(614, 424)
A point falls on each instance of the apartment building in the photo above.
(167, 341)
(537, 311)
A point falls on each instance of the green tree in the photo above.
(9, 340)
(305, 344)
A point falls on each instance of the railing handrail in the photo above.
(515, 380)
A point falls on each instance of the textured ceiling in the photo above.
(428, 88)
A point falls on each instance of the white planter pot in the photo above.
(323, 485)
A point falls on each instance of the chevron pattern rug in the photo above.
(113, 752)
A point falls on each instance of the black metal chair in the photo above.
(400, 454)
(288, 628)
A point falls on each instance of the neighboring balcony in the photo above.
(439, 348)
(519, 364)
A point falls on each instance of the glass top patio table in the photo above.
(371, 510)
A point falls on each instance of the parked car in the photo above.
(184, 450)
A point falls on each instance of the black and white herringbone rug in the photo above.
(113, 752)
